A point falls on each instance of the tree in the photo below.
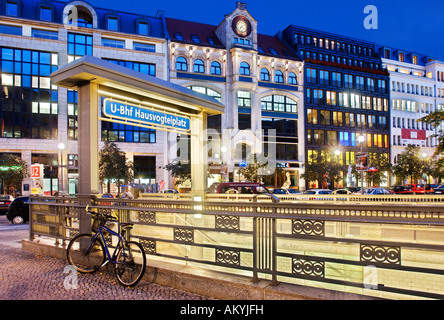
(13, 170)
(436, 119)
(260, 169)
(409, 165)
(380, 162)
(322, 168)
(114, 166)
(179, 170)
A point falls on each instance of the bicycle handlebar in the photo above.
(101, 215)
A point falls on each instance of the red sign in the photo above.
(36, 171)
(409, 134)
(161, 184)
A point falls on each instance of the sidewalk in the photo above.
(28, 276)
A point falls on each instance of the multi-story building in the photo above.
(258, 79)
(37, 38)
(346, 95)
(256, 76)
(417, 89)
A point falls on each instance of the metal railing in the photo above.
(388, 250)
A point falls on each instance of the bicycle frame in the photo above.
(122, 240)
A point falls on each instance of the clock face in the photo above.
(241, 26)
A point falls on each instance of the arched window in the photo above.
(278, 76)
(265, 75)
(199, 66)
(279, 103)
(292, 79)
(215, 68)
(181, 64)
(81, 14)
(244, 69)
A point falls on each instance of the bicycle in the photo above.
(88, 253)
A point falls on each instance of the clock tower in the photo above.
(238, 28)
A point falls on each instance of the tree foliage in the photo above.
(113, 165)
(323, 168)
(14, 171)
(180, 170)
(260, 169)
(409, 165)
(436, 119)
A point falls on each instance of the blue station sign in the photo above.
(140, 115)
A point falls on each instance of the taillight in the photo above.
(8, 202)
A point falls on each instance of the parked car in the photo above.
(240, 187)
(292, 191)
(18, 211)
(5, 201)
(342, 191)
(169, 191)
(318, 191)
(421, 188)
(377, 190)
(439, 190)
(280, 191)
(401, 189)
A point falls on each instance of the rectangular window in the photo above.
(324, 77)
(79, 45)
(244, 99)
(336, 79)
(348, 81)
(44, 34)
(29, 108)
(337, 119)
(13, 30)
(113, 24)
(325, 118)
(311, 75)
(312, 116)
(142, 28)
(113, 43)
(145, 68)
(45, 13)
(146, 47)
(12, 9)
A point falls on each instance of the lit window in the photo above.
(292, 79)
(265, 75)
(198, 66)
(181, 64)
(278, 76)
(244, 69)
(215, 68)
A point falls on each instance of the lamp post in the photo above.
(361, 140)
(61, 147)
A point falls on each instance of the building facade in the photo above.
(258, 79)
(417, 89)
(346, 96)
(37, 38)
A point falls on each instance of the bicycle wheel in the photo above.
(131, 264)
(84, 255)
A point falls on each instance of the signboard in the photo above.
(37, 171)
(141, 115)
(361, 160)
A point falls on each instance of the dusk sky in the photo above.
(408, 24)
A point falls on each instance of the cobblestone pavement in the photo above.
(27, 276)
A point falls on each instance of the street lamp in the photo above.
(361, 140)
(61, 147)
